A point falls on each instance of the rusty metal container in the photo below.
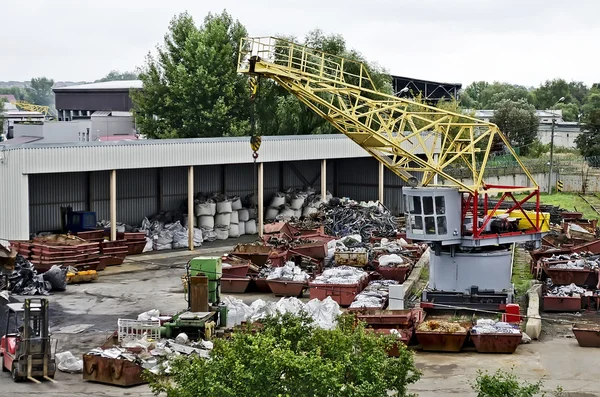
(358, 259)
(567, 276)
(257, 254)
(343, 294)
(571, 215)
(235, 271)
(562, 304)
(112, 371)
(399, 273)
(388, 318)
(587, 335)
(496, 342)
(317, 250)
(287, 288)
(234, 285)
(262, 285)
(278, 258)
(440, 341)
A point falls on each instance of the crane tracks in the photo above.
(593, 201)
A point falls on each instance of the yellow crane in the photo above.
(29, 107)
(417, 142)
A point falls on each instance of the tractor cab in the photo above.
(26, 348)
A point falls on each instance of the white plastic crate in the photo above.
(135, 329)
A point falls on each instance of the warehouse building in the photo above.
(129, 180)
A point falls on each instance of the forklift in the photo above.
(27, 353)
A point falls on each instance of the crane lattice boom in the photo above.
(391, 129)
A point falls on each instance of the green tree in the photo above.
(518, 121)
(588, 142)
(290, 357)
(570, 111)
(578, 90)
(18, 92)
(191, 88)
(472, 95)
(40, 92)
(550, 92)
(482, 95)
(115, 75)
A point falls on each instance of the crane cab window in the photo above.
(441, 225)
(440, 205)
(430, 225)
(416, 224)
(428, 205)
(413, 204)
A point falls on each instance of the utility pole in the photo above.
(551, 157)
(552, 144)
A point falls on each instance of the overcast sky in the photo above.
(522, 42)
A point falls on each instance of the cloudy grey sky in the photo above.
(523, 42)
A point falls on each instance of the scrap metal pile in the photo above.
(565, 290)
(25, 280)
(488, 326)
(441, 326)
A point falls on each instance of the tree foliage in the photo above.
(518, 121)
(588, 142)
(19, 93)
(40, 92)
(289, 357)
(115, 75)
(191, 88)
(482, 95)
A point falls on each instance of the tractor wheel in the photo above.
(15, 374)
(3, 367)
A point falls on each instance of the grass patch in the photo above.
(568, 201)
(521, 276)
(424, 274)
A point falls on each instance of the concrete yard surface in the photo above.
(84, 315)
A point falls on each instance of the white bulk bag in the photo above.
(243, 215)
(271, 213)
(251, 227)
(297, 203)
(278, 200)
(308, 211)
(297, 213)
(202, 209)
(213, 208)
(287, 212)
(234, 217)
(224, 207)
(236, 203)
(234, 230)
(223, 219)
(222, 233)
(198, 239)
(242, 228)
(206, 222)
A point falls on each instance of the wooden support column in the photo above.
(323, 180)
(113, 205)
(191, 207)
(381, 182)
(261, 200)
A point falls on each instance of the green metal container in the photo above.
(223, 311)
(210, 266)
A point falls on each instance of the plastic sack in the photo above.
(251, 227)
(324, 313)
(236, 203)
(297, 213)
(243, 215)
(242, 228)
(237, 311)
(149, 245)
(198, 239)
(202, 209)
(213, 208)
(222, 233)
(234, 218)
(67, 362)
(222, 219)
(149, 315)
(182, 338)
(271, 213)
(287, 212)
(308, 211)
(180, 239)
(289, 305)
(57, 277)
(234, 231)
(224, 207)
(252, 213)
(206, 221)
(390, 260)
(209, 235)
(278, 200)
(297, 203)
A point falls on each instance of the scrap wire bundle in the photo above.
(346, 218)
(441, 326)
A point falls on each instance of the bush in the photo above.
(506, 384)
(290, 357)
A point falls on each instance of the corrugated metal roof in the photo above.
(96, 156)
(107, 85)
